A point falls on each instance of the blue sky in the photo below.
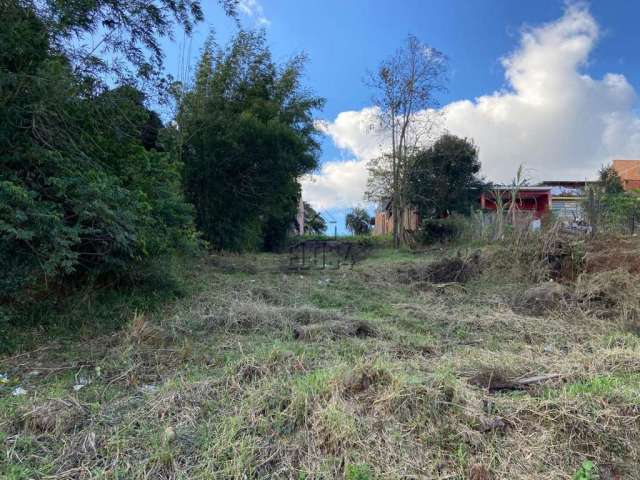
(344, 39)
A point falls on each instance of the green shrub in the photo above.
(85, 187)
(360, 471)
(445, 230)
(587, 471)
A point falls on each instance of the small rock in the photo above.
(4, 378)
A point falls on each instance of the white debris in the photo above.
(4, 378)
(149, 388)
(82, 382)
(18, 391)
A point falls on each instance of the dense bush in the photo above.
(441, 230)
(79, 192)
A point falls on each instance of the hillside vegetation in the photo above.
(442, 364)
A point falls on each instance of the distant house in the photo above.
(383, 223)
(533, 200)
(629, 173)
(567, 197)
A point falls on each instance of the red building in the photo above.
(536, 200)
(629, 173)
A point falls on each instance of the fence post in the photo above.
(324, 255)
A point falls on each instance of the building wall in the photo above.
(629, 173)
(382, 226)
(384, 221)
(567, 208)
(631, 184)
(538, 202)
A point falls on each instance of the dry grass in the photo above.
(355, 374)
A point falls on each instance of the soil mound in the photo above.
(613, 254)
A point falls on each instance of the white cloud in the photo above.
(338, 184)
(341, 183)
(557, 120)
(356, 131)
(254, 9)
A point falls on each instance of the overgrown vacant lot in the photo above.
(392, 369)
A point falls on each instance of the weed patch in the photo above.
(387, 370)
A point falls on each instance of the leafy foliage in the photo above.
(406, 86)
(358, 221)
(443, 179)
(79, 192)
(440, 230)
(587, 471)
(314, 223)
(608, 207)
(610, 181)
(246, 136)
(128, 32)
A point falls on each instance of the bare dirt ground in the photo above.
(406, 366)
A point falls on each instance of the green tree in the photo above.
(358, 221)
(79, 192)
(247, 136)
(610, 181)
(128, 32)
(314, 223)
(406, 86)
(443, 179)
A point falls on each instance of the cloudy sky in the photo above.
(547, 83)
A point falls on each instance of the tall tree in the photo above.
(248, 136)
(314, 223)
(358, 221)
(444, 177)
(610, 181)
(406, 86)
